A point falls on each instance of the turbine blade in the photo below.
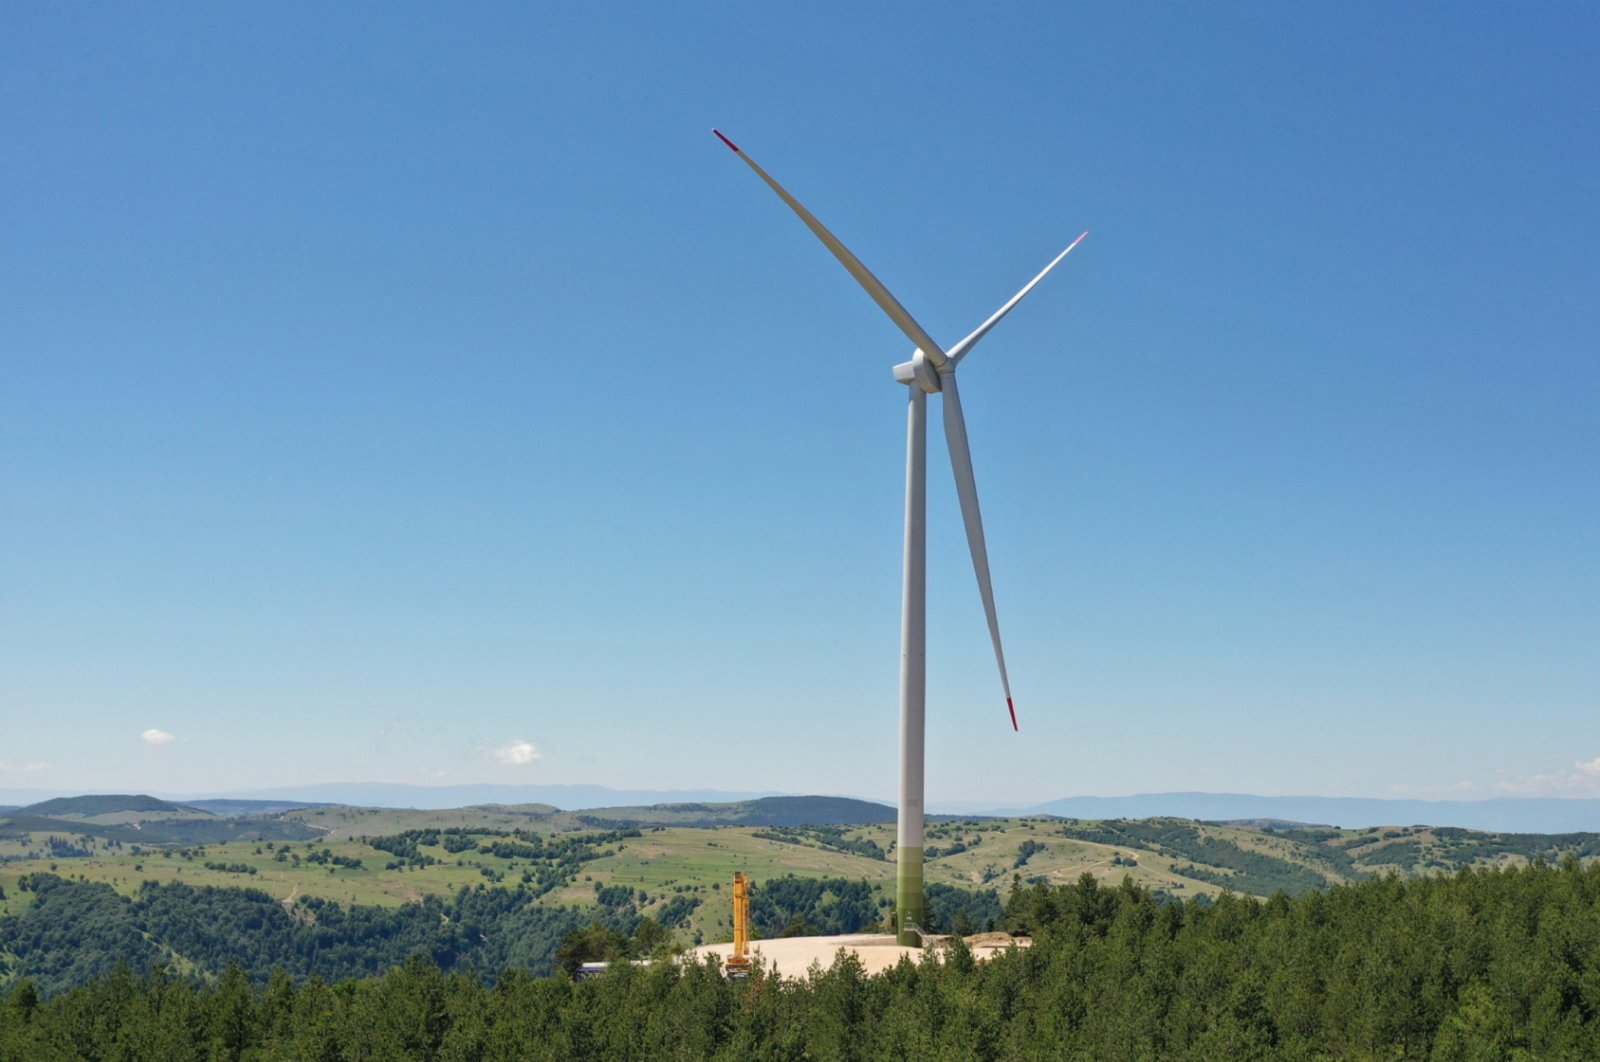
(873, 286)
(959, 351)
(955, 435)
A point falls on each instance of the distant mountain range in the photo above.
(145, 820)
(1512, 815)
(566, 797)
(1517, 815)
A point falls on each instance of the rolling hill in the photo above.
(88, 807)
(765, 811)
(134, 819)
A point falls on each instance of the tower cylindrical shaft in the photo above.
(913, 672)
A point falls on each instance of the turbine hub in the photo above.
(919, 372)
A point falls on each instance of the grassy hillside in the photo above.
(363, 856)
(340, 853)
(1427, 849)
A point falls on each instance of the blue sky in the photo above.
(420, 393)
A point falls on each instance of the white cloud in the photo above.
(395, 734)
(1580, 780)
(515, 753)
(157, 737)
(36, 767)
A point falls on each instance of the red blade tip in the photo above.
(1013, 710)
(725, 140)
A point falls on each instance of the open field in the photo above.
(662, 863)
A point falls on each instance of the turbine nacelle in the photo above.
(920, 371)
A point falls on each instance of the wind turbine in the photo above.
(931, 370)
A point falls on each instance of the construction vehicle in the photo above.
(738, 964)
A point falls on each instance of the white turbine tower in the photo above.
(931, 370)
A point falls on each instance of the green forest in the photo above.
(75, 931)
(1483, 963)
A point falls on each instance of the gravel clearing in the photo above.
(793, 956)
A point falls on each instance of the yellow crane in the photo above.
(738, 963)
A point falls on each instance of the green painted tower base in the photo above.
(908, 897)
